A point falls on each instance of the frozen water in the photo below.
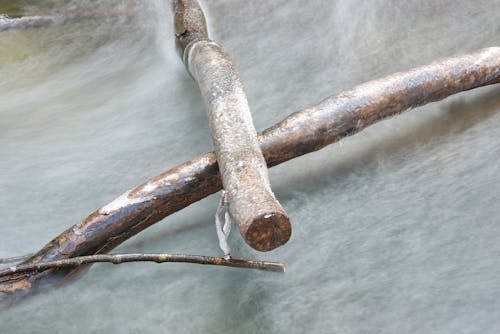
(395, 229)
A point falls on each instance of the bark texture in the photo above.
(190, 24)
(302, 132)
(261, 219)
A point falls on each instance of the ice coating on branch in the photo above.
(223, 230)
(123, 201)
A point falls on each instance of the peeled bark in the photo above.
(302, 132)
(261, 219)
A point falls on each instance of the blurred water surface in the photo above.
(395, 229)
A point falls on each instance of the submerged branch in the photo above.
(302, 132)
(158, 258)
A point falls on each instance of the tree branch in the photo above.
(45, 20)
(158, 258)
(302, 132)
(261, 219)
(15, 258)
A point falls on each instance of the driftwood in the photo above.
(302, 132)
(261, 219)
(158, 258)
(46, 20)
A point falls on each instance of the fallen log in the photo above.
(262, 221)
(302, 132)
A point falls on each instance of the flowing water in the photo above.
(396, 229)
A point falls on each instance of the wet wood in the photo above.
(302, 132)
(261, 219)
(46, 20)
(158, 258)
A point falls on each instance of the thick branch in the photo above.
(302, 132)
(261, 219)
(158, 258)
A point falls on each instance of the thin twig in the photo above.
(45, 20)
(16, 258)
(261, 219)
(158, 258)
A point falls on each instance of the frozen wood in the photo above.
(261, 219)
(158, 258)
(302, 132)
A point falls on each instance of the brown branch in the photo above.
(302, 132)
(158, 258)
(261, 219)
(45, 20)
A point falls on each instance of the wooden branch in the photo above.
(302, 132)
(261, 219)
(15, 258)
(158, 258)
(45, 20)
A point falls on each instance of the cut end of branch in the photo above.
(268, 231)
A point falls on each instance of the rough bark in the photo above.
(261, 219)
(302, 132)
(158, 258)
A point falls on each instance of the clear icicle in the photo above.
(223, 230)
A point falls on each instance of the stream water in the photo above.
(395, 230)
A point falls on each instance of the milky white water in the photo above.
(396, 229)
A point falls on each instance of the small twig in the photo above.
(158, 258)
(45, 20)
(15, 258)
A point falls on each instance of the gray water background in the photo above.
(395, 230)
